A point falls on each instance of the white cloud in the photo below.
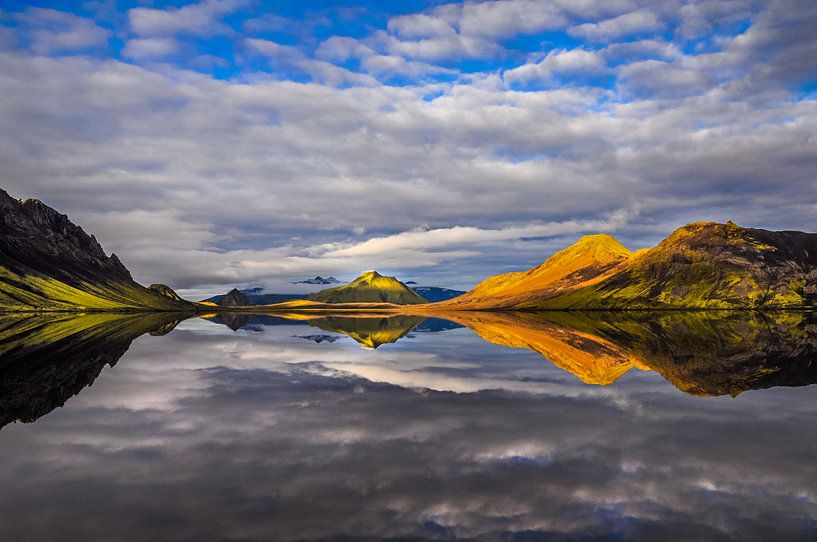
(321, 71)
(558, 62)
(435, 239)
(149, 48)
(201, 19)
(51, 31)
(637, 22)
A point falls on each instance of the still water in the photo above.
(509, 427)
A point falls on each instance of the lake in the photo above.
(475, 426)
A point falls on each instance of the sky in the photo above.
(240, 143)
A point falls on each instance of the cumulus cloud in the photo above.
(198, 19)
(559, 62)
(637, 22)
(50, 31)
(147, 48)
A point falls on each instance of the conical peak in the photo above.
(599, 247)
(369, 275)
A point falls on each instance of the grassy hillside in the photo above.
(708, 266)
(590, 260)
(43, 293)
(371, 287)
(48, 263)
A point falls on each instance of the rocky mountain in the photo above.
(48, 263)
(704, 265)
(235, 298)
(370, 287)
(257, 297)
(590, 260)
(707, 265)
(433, 294)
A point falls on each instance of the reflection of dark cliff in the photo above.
(44, 361)
(239, 320)
(713, 353)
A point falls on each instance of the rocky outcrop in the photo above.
(707, 265)
(165, 291)
(235, 298)
(34, 238)
(48, 263)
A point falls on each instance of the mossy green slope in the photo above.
(370, 287)
(708, 265)
(47, 263)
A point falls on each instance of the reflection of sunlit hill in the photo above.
(593, 359)
(588, 261)
(45, 360)
(369, 332)
(711, 353)
(701, 353)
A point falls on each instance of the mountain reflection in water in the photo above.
(281, 427)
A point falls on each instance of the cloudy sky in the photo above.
(240, 142)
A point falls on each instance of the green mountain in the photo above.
(705, 265)
(47, 263)
(371, 287)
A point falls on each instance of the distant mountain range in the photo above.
(433, 294)
(319, 280)
(47, 263)
(258, 298)
(370, 287)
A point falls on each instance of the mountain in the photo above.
(319, 280)
(432, 294)
(590, 260)
(704, 265)
(235, 298)
(257, 298)
(707, 265)
(370, 287)
(47, 263)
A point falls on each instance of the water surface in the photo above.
(666, 426)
